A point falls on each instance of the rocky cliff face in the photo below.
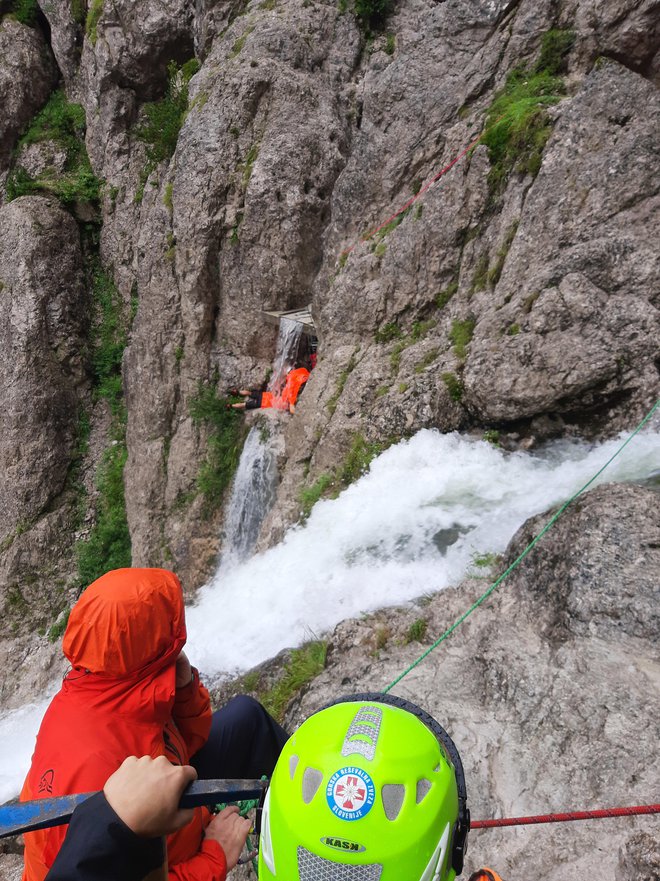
(168, 171)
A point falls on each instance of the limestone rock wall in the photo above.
(530, 308)
(42, 332)
(301, 135)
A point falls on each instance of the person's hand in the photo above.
(183, 671)
(230, 830)
(145, 794)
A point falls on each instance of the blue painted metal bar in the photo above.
(28, 816)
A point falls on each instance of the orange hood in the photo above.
(126, 620)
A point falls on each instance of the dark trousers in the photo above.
(245, 742)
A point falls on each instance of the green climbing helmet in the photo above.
(370, 788)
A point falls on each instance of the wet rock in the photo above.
(620, 553)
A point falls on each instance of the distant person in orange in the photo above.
(133, 692)
(286, 400)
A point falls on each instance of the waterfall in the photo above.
(255, 484)
(253, 495)
(288, 341)
(412, 524)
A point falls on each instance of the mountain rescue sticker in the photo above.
(350, 793)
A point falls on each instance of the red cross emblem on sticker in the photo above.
(350, 792)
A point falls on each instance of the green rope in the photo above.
(244, 808)
(522, 556)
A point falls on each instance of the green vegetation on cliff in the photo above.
(304, 665)
(108, 545)
(163, 119)
(355, 464)
(372, 13)
(518, 125)
(225, 440)
(94, 13)
(24, 11)
(63, 124)
(461, 336)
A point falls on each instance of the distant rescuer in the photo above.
(286, 400)
(132, 692)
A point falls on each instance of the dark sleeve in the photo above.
(100, 847)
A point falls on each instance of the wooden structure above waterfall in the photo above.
(302, 316)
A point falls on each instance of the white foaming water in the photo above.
(253, 494)
(288, 340)
(18, 730)
(410, 526)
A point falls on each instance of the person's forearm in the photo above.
(100, 847)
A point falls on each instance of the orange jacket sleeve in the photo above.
(207, 865)
(192, 714)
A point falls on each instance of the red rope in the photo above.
(414, 198)
(564, 818)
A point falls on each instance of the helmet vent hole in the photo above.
(437, 769)
(362, 734)
(393, 794)
(293, 764)
(423, 789)
(310, 784)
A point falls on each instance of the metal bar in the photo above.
(29, 816)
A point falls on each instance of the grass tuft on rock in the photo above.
(372, 14)
(224, 444)
(454, 386)
(25, 11)
(79, 11)
(518, 125)
(304, 665)
(163, 119)
(109, 339)
(109, 543)
(94, 12)
(356, 463)
(461, 335)
(417, 631)
(63, 123)
(555, 46)
(388, 332)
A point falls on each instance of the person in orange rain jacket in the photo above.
(132, 691)
(484, 875)
(295, 381)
